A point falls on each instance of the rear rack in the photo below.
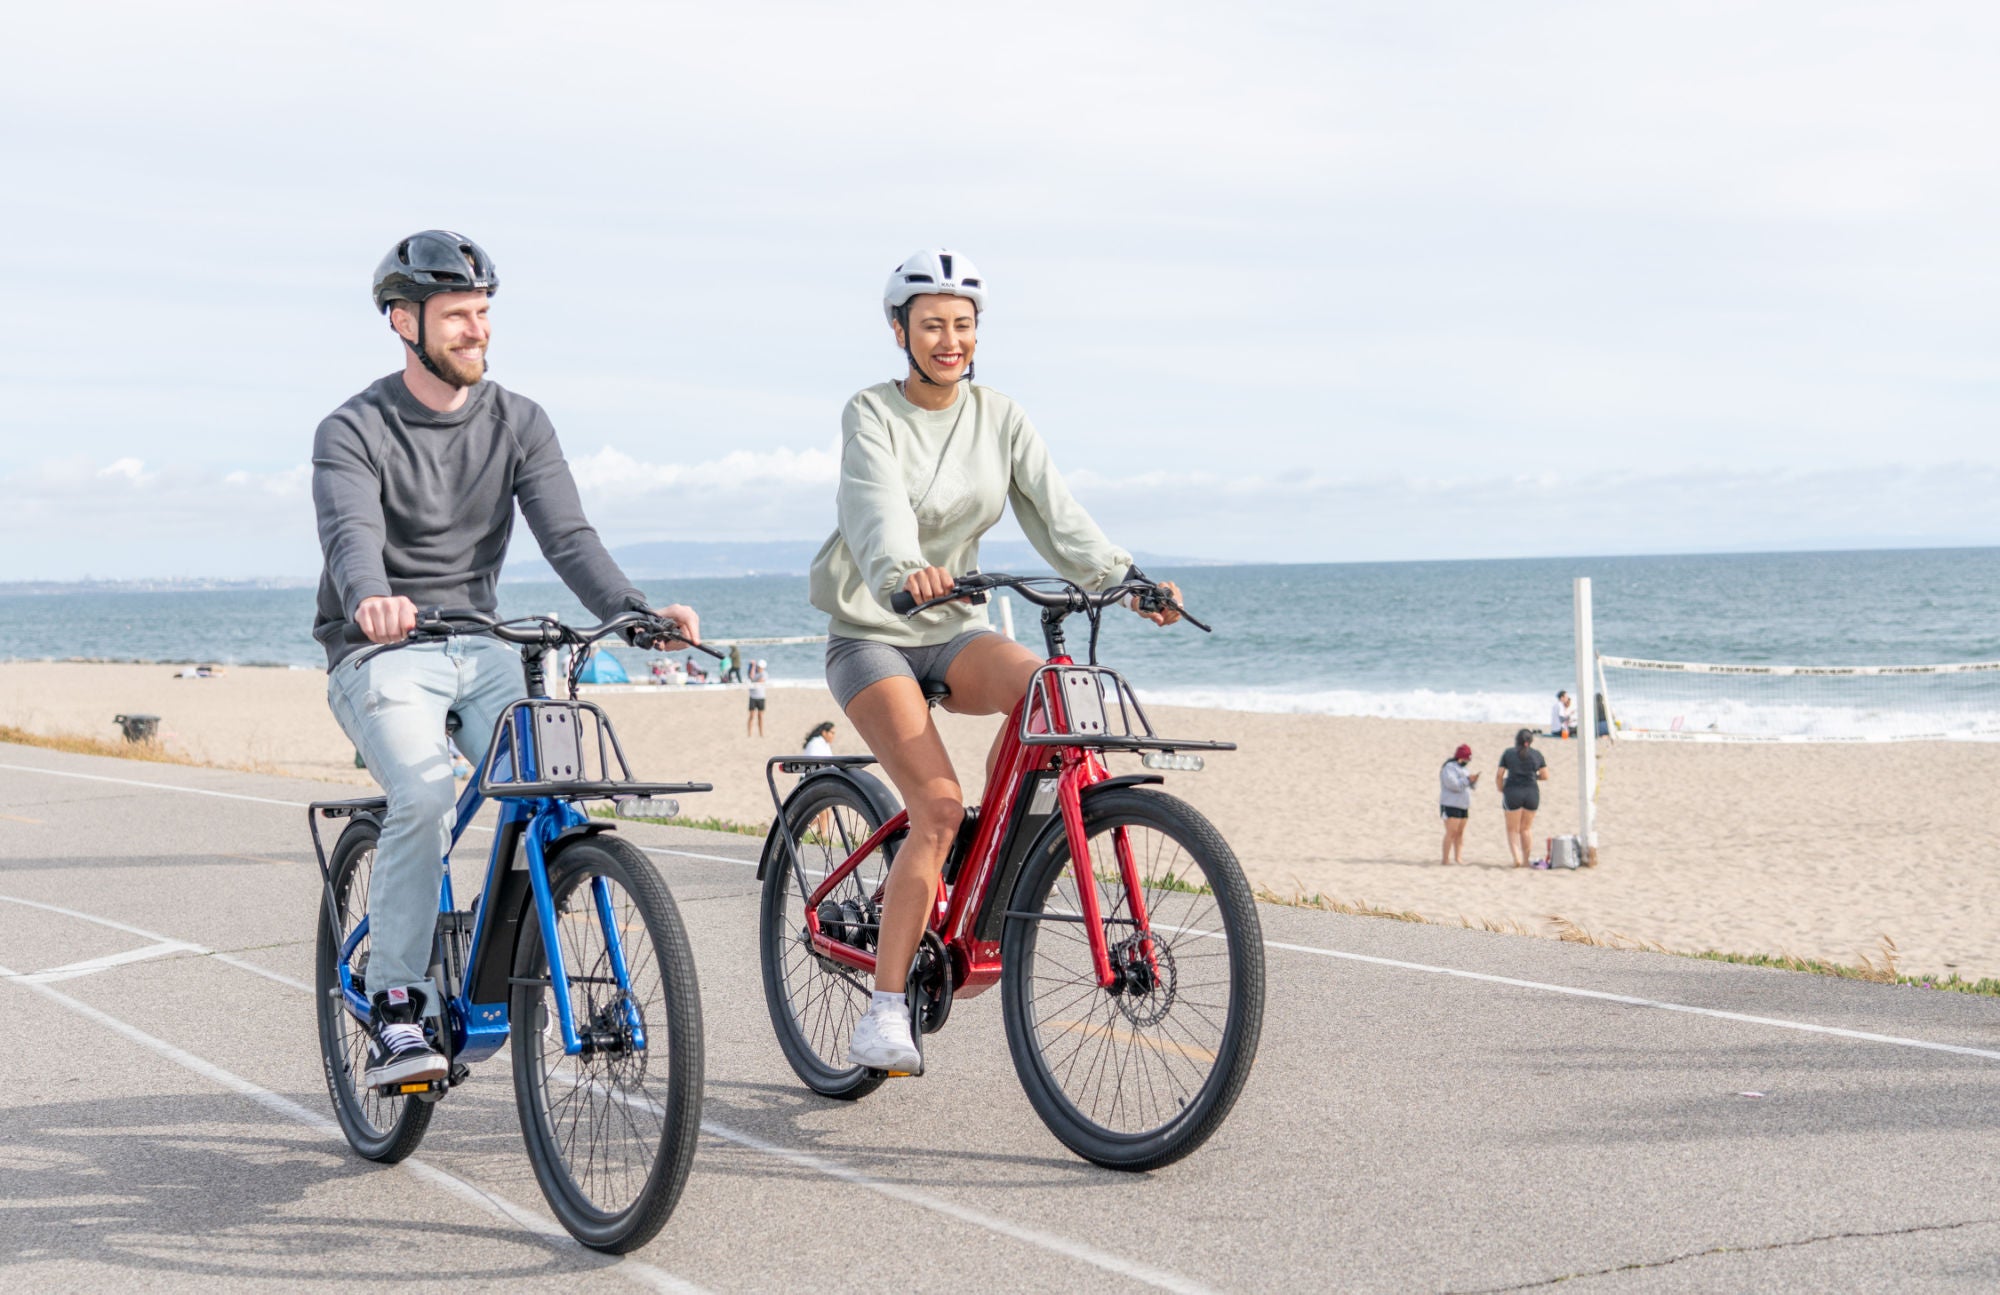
(1098, 709)
(574, 752)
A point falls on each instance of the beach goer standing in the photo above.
(732, 670)
(756, 715)
(415, 481)
(1455, 801)
(1562, 715)
(1522, 771)
(929, 463)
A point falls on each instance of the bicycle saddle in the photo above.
(935, 691)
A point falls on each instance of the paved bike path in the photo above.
(1433, 1109)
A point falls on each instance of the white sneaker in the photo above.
(882, 1042)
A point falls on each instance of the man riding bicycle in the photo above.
(929, 462)
(415, 481)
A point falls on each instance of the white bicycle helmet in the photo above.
(935, 269)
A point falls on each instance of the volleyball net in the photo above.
(1696, 702)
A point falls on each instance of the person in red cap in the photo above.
(1455, 801)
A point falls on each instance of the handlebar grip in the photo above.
(902, 602)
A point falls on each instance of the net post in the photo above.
(1586, 729)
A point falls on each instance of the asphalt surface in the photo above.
(1433, 1109)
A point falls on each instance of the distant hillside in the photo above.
(676, 559)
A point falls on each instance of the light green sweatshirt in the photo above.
(918, 488)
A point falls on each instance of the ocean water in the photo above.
(1470, 640)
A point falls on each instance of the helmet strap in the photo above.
(423, 354)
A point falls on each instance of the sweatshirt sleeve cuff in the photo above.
(363, 591)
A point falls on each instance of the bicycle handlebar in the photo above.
(1071, 597)
(435, 623)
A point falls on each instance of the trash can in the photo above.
(138, 728)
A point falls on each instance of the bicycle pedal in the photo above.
(438, 1086)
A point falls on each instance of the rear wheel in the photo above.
(611, 1132)
(814, 1003)
(1138, 1075)
(377, 1127)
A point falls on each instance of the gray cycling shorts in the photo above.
(853, 664)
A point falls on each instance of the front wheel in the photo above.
(384, 1129)
(611, 1131)
(1138, 1075)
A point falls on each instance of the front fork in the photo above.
(1079, 772)
(541, 833)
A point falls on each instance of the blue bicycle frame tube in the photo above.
(485, 1025)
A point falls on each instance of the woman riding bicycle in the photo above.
(928, 464)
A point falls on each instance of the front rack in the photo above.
(1096, 709)
(573, 750)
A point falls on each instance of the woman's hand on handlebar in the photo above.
(929, 583)
(385, 618)
(1161, 613)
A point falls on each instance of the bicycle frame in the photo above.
(478, 977)
(973, 945)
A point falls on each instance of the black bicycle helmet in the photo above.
(437, 260)
(426, 264)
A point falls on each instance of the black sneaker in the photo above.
(401, 1054)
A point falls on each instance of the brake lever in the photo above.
(667, 635)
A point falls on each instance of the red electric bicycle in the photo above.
(1115, 919)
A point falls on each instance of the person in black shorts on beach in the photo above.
(1522, 771)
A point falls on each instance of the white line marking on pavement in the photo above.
(635, 1270)
(1313, 950)
(1127, 1268)
(1632, 1001)
(300, 804)
(232, 960)
(71, 970)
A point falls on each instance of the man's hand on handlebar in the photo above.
(686, 619)
(386, 619)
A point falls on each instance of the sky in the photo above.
(1320, 282)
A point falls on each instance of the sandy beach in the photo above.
(1817, 851)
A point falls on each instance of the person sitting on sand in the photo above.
(1524, 770)
(1455, 802)
(820, 740)
(415, 481)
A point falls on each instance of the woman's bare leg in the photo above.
(892, 718)
(989, 676)
(1527, 836)
(1514, 836)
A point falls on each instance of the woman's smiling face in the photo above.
(943, 333)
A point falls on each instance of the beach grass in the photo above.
(683, 820)
(79, 744)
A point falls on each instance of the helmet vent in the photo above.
(918, 278)
(971, 283)
(944, 263)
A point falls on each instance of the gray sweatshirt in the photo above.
(421, 504)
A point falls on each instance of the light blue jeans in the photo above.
(393, 708)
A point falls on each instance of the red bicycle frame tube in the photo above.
(976, 962)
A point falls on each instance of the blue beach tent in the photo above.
(603, 668)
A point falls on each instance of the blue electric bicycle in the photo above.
(574, 952)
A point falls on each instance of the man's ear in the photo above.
(403, 319)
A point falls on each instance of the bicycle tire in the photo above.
(814, 1007)
(614, 1190)
(383, 1129)
(1137, 1079)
